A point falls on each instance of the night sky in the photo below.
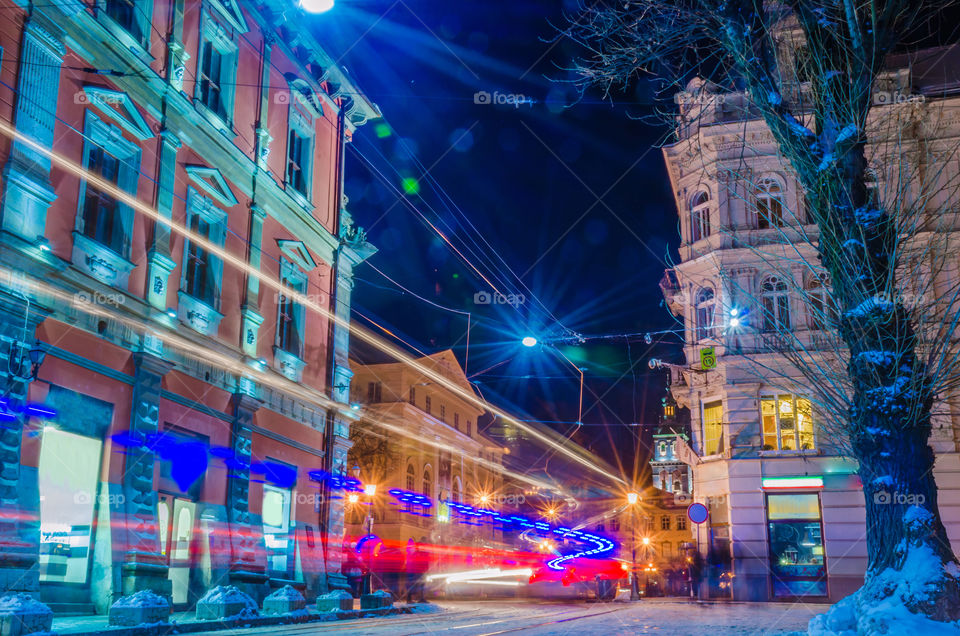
(564, 201)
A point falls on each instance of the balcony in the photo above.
(672, 292)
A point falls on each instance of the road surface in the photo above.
(488, 618)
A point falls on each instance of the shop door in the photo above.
(177, 518)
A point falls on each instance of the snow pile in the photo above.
(22, 604)
(882, 605)
(226, 602)
(227, 594)
(143, 598)
(867, 216)
(874, 304)
(285, 600)
(287, 593)
(850, 131)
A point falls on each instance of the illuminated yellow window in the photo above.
(786, 422)
(712, 428)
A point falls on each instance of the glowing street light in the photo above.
(646, 541)
(316, 6)
(632, 498)
(529, 341)
(353, 497)
(370, 490)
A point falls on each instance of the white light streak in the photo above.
(305, 300)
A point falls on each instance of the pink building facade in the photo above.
(173, 246)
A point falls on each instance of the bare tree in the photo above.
(885, 280)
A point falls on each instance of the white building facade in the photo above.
(786, 508)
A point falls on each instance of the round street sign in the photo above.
(697, 512)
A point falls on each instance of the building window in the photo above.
(681, 522)
(769, 195)
(443, 413)
(665, 522)
(114, 159)
(456, 421)
(705, 308)
(787, 423)
(133, 16)
(469, 428)
(666, 550)
(776, 305)
(796, 545)
(299, 147)
(601, 527)
(100, 210)
(699, 217)
(712, 428)
(276, 529)
(427, 483)
(661, 450)
(615, 525)
(374, 392)
(202, 270)
(413, 396)
(411, 478)
(290, 313)
(819, 305)
(216, 72)
(427, 404)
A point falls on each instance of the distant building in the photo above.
(417, 436)
(669, 473)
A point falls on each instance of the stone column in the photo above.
(144, 567)
(19, 489)
(353, 250)
(159, 253)
(248, 568)
(28, 193)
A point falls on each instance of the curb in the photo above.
(193, 627)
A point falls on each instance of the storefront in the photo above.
(795, 536)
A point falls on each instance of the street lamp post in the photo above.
(632, 499)
(646, 556)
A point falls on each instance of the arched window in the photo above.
(677, 484)
(662, 449)
(663, 480)
(411, 478)
(776, 304)
(819, 308)
(427, 483)
(769, 203)
(699, 216)
(705, 308)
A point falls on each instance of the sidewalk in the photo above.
(186, 622)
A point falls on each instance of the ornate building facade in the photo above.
(786, 506)
(175, 247)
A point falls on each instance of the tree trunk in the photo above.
(892, 398)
